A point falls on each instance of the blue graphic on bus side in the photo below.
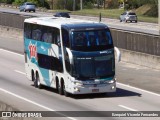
(32, 48)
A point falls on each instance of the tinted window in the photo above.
(132, 14)
(27, 30)
(30, 4)
(41, 33)
(65, 14)
(36, 32)
(50, 34)
(94, 38)
(101, 66)
(124, 13)
(65, 38)
(62, 14)
(49, 62)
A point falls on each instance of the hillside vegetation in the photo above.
(144, 9)
(147, 10)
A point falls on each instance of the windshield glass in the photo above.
(64, 14)
(91, 40)
(132, 14)
(94, 67)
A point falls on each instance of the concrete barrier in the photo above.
(139, 58)
(138, 42)
(11, 32)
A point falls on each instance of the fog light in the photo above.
(76, 89)
(113, 87)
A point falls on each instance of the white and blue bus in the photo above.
(72, 56)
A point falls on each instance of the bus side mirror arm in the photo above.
(118, 54)
(70, 56)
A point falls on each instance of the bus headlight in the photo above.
(113, 87)
(111, 81)
(78, 83)
(77, 89)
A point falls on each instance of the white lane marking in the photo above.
(156, 94)
(117, 82)
(131, 109)
(20, 72)
(32, 102)
(124, 69)
(12, 52)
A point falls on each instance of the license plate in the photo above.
(95, 90)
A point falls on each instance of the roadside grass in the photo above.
(143, 18)
(109, 13)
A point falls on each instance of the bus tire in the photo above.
(64, 91)
(57, 84)
(32, 76)
(60, 91)
(60, 88)
(37, 83)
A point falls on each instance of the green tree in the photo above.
(7, 1)
(19, 2)
(113, 3)
(67, 4)
(39, 3)
(133, 4)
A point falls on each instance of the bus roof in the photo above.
(66, 22)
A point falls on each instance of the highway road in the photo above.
(17, 91)
(144, 27)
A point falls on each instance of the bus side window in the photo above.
(65, 38)
(36, 32)
(58, 42)
(27, 30)
(47, 37)
(79, 39)
(92, 40)
(44, 37)
(50, 37)
(57, 37)
(102, 38)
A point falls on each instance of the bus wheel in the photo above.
(57, 85)
(60, 89)
(64, 91)
(37, 83)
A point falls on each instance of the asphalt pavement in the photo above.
(17, 91)
(127, 73)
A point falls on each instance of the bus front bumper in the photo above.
(91, 89)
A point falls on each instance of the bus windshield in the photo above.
(94, 67)
(91, 40)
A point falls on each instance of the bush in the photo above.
(68, 5)
(113, 4)
(19, 2)
(7, 1)
(36, 2)
(153, 12)
(60, 4)
(88, 5)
